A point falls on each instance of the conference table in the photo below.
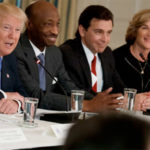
(15, 136)
(47, 134)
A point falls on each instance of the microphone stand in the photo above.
(52, 77)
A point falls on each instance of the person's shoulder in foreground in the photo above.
(109, 131)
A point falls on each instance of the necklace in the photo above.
(137, 70)
(143, 86)
(142, 68)
(138, 57)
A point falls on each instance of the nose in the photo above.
(105, 37)
(55, 30)
(12, 34)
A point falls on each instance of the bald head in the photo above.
(43, 21)
(36, 8)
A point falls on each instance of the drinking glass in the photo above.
(30, 106)
(129, 95)
(77, 97)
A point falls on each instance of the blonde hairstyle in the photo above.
(8, 9)
(137, 21)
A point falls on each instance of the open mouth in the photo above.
(8, 44)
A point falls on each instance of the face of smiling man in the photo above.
(43, 26)
(97, 36)
(10, 28)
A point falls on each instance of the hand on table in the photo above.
(142, 101)
(15, 96)
(8, 106)
(103, 101)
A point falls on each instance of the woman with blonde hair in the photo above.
(133, 59)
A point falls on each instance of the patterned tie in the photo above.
(0, 70)
(93, 69)
(42, 72)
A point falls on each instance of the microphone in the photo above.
(142, 56)
(53, 78)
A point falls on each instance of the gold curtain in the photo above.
(10, 1)
(67, 10)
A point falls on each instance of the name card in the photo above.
(61, 130)
(11, 135)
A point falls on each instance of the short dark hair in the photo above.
(93, 11)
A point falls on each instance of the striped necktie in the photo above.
(42, 77)
(93, 70)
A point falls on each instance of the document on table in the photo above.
(9, 132)
(8, 120)
(9, 135)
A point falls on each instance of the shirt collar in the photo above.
(37, 50)
(88, 52)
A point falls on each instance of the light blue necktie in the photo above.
(0, 70)
(42, 72)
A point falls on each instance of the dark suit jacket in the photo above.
(28, 70)
(10, 81)
(78, 68)
(127, 64)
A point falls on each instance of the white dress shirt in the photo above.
(99, 71)
(37, 50)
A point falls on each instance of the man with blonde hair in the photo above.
(12, 20)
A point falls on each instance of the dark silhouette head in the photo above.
(109, 131)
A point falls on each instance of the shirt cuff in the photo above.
(19, 106)
(3, 93)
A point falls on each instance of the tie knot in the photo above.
(42, 59)
(94, 59)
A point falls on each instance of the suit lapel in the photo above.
(30, 57)
(84, 64)
(49, 66)
(5, 75)
(104, 67)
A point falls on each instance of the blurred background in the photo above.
(70, 10)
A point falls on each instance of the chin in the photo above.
(50, 44)
(101, 51)
(7, 52)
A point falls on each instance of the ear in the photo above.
(82, 30)
(28, 24)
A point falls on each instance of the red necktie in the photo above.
(93, 69)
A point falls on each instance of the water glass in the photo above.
(129, 95)
(30, 106)
(77, 97)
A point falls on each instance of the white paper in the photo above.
(11, 135)
(61, 130)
